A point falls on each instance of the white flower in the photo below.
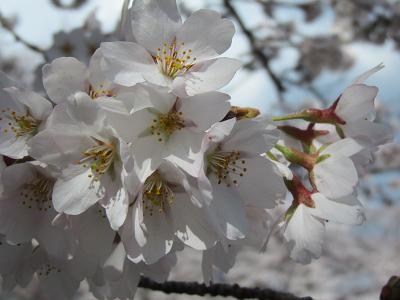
(22, 113)
(166, 209)
(54, 277)
(26, 209)
(168, 53)
(355, 109)
(234, 174)
(334, 173)
(66, 76)
(91, 251)
(305, 220)
(78, 140)
(118, 278)
(221, 257)
(172, 128)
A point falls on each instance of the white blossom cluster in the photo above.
(137, 156)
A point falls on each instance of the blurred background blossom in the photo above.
(297, 53)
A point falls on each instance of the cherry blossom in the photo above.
(170, 53)
(90, 156)
(22, 114)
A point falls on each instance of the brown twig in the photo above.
(5, 24)
(257, 51)
(224, 290)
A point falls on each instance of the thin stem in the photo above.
(295, 116)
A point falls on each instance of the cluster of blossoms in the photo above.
(137, 156)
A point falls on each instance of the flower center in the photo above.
(227, 166)
(99, 91)
(20, 125)
(174, 61)
(166, 124)
(38, 193)
(46, 270)
(157, 193)
(99, 158)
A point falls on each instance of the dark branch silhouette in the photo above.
(5, 24)
(73, 5)
(224, 290)
(256, 50)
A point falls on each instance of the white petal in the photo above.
(154, 22)
(86, 227)
(39, 107)
(206, 34)
(260, 186)
(59, 149)
(160, 98)
(159, 239)
(206, 76)
(81, 110)
(340, 210)
(148, 152)
(96, 74)
(125, 63)
(251, 137)
(283, 169)
(335, 176)
(304, 235)
(376, 133)
(114, 265)
(11, 258)
(346, 147)
(13, 147)
(54, 239)
(17, 221)
(220, 130)
(191, 223)
(117, 208)
(198, 109)
(356, 102)
(64, 77)
(366, 75)
(136, 98)
(184, 149)
(227, 211)
(79, 114)
(218, 256)
(75, 191)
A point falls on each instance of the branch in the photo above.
(224, 290)
(257, 51)
(5, 24)
(75, 4)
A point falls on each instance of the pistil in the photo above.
(174, 61)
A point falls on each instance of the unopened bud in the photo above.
(315, 115)
(295, 156)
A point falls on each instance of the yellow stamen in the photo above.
(37, 193)
(227, 166)
(99, 158)
(166, 124)
(172, 60)
(19, 124)
(157, 193)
